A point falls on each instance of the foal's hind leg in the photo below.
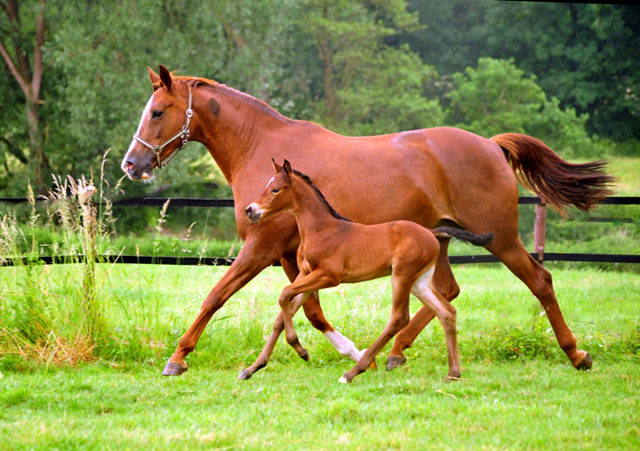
(446, 313)
(445, 283)
(399, 319)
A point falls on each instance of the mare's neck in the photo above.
(312, 213)
(233, 127)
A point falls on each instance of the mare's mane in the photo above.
(308, 181)
(243, 96)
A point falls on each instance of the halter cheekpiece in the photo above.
(183, 134)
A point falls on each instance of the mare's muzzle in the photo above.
(138, 168)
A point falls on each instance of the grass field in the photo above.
(81, 355)
(518, 391)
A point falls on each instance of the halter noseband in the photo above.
(182, 134)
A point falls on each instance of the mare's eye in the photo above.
(156, 114)
(275, 190)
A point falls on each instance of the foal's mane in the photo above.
(306, 178)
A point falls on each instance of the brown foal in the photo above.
(334, 250)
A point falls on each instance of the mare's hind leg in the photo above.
(538, 280)
(446, 313)
(445, 283)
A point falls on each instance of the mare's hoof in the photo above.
(585, 363)
(343, 380)
(452, 378)
(304, 355)
(394, 361)
(373, 366)
(174, 369)
(245, 375)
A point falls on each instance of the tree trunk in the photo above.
(29, 77)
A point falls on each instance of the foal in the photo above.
(335, 250)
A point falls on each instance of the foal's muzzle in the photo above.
(253, 213)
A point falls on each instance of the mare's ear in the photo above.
(287, 167)
(165, 77)
(155, 78)
(276, 166)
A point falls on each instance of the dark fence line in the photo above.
(539, 234)
(195, 202)
(221, 261)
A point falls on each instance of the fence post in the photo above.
(539, 230)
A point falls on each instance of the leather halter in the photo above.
(182, 134)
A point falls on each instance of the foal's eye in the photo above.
(275, 190)
(156, 114)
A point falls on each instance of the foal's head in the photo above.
(276, 197)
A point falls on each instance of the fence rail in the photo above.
(539, 237)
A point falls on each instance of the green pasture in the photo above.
(82, 347)
(518, 391)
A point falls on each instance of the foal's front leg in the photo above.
(306, 284)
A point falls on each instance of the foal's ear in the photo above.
(165, 77)
(155, 78)
(287, 167)
(276, 166)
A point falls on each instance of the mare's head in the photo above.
(163, 129)
(276, 197)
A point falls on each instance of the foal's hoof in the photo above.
(245, 375)
(343, 380)
(585, 363)
(174, 369)
(304, 355)
(394, 361)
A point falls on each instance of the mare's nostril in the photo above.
(129, 167)
(249, 211)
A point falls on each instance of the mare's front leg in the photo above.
(254, 256)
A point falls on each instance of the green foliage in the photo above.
(387, 96)
(369, 87)
(497, 97)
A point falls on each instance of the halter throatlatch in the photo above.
(182, 134)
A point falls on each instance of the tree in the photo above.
(21, 46)
(497, 97)
(368, 86)
(583, 54)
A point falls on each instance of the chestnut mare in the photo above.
(434, 177)
(334, 250)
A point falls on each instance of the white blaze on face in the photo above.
(269, 182)
(145, 113)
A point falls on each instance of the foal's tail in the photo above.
(556, 181)
(463, 235)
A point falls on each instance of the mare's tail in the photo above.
(464, 235)
(556, 181)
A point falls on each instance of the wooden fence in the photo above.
(538, 251)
